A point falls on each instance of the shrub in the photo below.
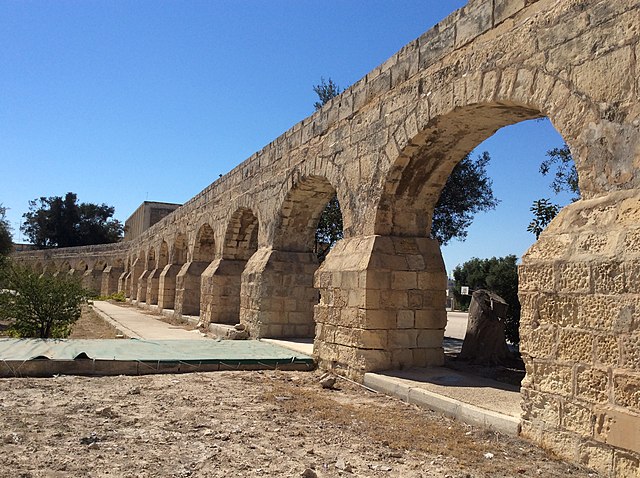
(40, 306)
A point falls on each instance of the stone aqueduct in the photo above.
(243, 246)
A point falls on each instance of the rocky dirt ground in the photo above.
(244, 424)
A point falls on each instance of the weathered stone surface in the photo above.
(385, 147)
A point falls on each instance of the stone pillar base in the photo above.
(188, 288)
(220, 292)
(277, 294)
(110, 280)
(382, 305)
(167, 286)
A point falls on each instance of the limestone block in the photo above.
(563, 444)
(592, 384)
(573, 277)
(403, 339)
(401, 358)
(377, 318)
(626, 465)
(489, 86)
(608, 278)
(559, 309)
(576, 346)
(435, 43)
(405, 319)
(632, 241)
(552, 378)
(608, 350)
(594, 455)
(551, 247)
(618, 428)
(602, 77)
(504, 9)
(430, 319)
(430, 339)
(632, 276)
(474, 20)
(626, 390)
(535, 278)
(592, 243)
(541, 408)
(539, 342)
(432, 281)
(578, 417)
(371, 360)
(631, 350)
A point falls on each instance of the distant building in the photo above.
(146, 216)
(24, 247)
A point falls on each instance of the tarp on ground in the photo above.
(188, 351)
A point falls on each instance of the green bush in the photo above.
(116, 296)
(40, 306)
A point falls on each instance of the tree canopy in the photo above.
(6, 242)
(62, 222)
(468, 190)
(499, 275)
(559, 163)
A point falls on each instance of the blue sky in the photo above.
(122, 101)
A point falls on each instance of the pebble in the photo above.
(309, 473)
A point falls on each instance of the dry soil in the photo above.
(223, 424)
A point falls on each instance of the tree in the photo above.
(6, 242)
(329, 229)
(325, 91)
(565, 178)
(499, 275)
(543, 212)
(62, 222)
(40, 306)
(466, 192)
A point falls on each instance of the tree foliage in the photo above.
(62, 222)
(543, 212)
(560, 165)
(325, 91)
(467, 191)
(6, 242)
(40, 306)
(329, 229)
(565, 175)
(499, 275)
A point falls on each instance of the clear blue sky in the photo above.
(122, 101)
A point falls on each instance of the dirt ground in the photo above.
(242, 424)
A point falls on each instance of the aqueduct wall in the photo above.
(243, 246)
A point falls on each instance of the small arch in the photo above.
(163, 255)
(204, 248)
(300, 213)
(179, 252)
(241, 238)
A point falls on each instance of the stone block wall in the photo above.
(580, 333)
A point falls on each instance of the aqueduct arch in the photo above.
(391, 139)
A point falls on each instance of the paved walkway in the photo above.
(138, 325)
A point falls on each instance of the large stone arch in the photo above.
(277, 284)
(221, 281)
(177, 257)
(189, 279)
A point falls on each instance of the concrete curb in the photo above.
(450, 407)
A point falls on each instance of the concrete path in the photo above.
(468, 398)
(138, 325)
